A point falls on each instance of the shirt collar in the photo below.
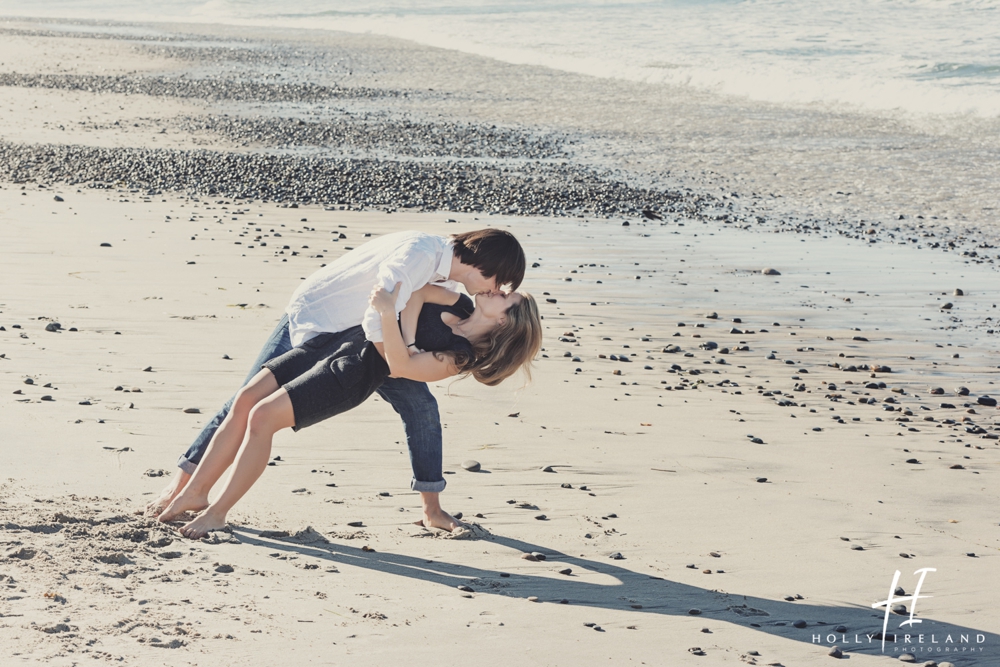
(444, 267)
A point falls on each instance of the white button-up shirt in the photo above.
(336, 297)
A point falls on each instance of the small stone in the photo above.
(548, 469)
(947, 306)
(799, 624)
(617, 556)
(857, 547)
(465, 589)
(962, 391)
(29, 381)
(937, 391)
(148, 369)
(841, 629)
(696, 650)
(694, 612)
(771, 272)
(987, 401)
(58, 198)
(192, 411)
(835, 652)
(356, 524)
(907, 657)
(959, 292)
(566, 571)
(224, 569)
(541, 517)
(53, 326)
(471, 466)
(532, 598)
(761, 480)
(47, 398)
(105, 245)
(530, 557)
(566, 485)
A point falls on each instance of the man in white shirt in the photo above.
(335, 298)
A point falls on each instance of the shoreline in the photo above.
(647, 406)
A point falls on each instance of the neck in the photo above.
(474, 326)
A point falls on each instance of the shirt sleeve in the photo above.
(411, 266)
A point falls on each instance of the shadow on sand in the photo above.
(640, 594)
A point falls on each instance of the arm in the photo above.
(426, 294)
(422, 367)
(412, 267)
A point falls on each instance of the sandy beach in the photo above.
(713, 464)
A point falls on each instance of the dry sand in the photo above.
(659, 502)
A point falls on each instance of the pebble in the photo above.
(532, 598)
(566, 571)
(548, 469)
(617, 556)
(694, 612)
(224, 569)
(541, 517)
(771, 272)
(799, 624)
(987, 401)
(465, 589)
(962, 391)
(356, 524)
(192, 411)
(471, 466)
(47, 397)
(907, 657)
(835, 652)
(53, 326)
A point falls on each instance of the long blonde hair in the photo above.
(508, 347)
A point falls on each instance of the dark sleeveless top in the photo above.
(433, 335)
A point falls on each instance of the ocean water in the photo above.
(909, 57)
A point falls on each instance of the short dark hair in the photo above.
(494, 252)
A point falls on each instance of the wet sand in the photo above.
(704, 469)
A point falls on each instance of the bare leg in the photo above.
(222, 450)
(267, 418)
(434, 516)
(167, 495)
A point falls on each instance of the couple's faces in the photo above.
(476, 283)
(495, 305)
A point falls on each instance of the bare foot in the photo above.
(439, 519)
(203, 525)
(187, 501)
(169, 492)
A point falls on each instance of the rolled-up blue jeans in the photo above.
(411, 400)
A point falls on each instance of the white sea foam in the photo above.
(914, 56)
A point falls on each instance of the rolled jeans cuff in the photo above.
(186, 465)
(427, 487)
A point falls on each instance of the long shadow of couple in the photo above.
(852, 629)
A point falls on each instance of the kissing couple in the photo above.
(384, 318)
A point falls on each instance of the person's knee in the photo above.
(245, 401)
(262, 418)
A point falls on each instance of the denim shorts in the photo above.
(329, 374)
